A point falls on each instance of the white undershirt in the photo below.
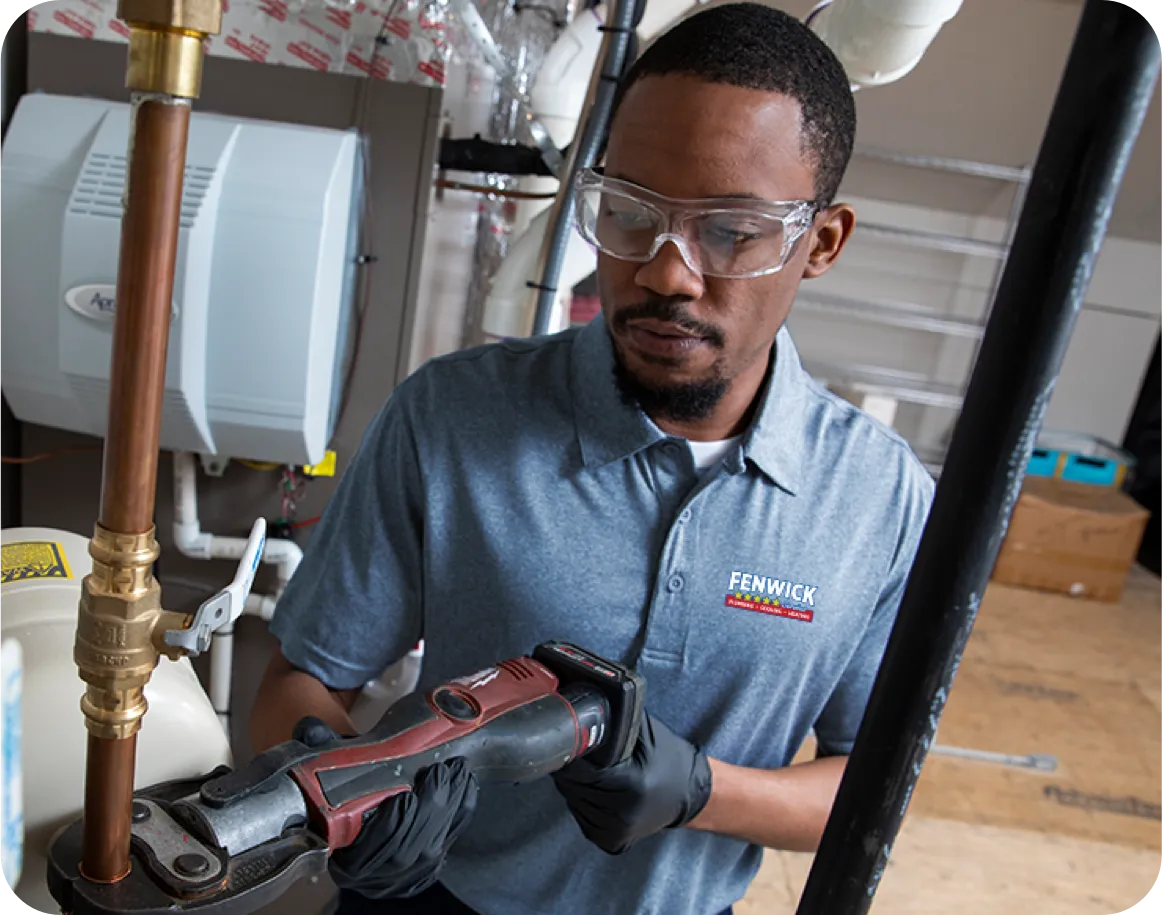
(707, 453)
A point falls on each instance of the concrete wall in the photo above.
(401, 126)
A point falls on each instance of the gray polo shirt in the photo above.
(506, 495)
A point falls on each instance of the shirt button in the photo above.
(675, 584)
(685, 515)
(670, 447)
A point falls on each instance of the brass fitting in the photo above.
(119, 631)
(165, 43)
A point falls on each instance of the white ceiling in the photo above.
(984, 92)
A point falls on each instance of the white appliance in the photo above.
(263, 288)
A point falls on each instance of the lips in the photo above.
(662, 338)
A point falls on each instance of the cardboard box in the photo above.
(1072, 538)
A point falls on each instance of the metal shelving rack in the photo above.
(913, 387)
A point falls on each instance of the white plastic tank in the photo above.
(180, 737)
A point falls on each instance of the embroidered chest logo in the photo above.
(748, 591)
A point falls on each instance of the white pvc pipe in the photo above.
(509, 309)
(192, 541)
(221, 673)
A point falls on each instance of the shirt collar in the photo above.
(778, 435)
(609, 429)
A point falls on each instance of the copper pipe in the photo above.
(108, 809)
(141, 331)
(145, 285)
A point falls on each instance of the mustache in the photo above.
(671, 310)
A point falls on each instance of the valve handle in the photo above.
(227, 605)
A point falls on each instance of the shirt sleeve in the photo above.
(354, 605)
(836, 728)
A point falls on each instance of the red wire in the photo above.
(310, 521)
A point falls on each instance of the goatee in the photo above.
(680, 403)
(686, 402)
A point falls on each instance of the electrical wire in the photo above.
(493, 191)
(44, 456)
(260, 465)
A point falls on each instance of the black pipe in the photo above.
(14, 62)
(1104, 93)
(478, 155)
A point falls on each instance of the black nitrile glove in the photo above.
(663, 785)
(402, 846)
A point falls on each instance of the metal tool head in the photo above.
(176, 869)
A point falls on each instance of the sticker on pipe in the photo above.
(28, 560)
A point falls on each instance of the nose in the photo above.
(669, 274)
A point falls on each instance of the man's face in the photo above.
(679, 335)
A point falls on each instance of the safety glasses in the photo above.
(722, 237)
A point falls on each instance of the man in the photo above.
(666, 487)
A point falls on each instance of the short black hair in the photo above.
(758, 47)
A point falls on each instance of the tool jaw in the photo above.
(161, 882)
(234, 840)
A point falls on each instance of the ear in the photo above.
(831, 230)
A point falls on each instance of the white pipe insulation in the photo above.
(880, 41)
(192, 541)
(877, 41)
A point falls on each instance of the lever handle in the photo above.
(227, 605)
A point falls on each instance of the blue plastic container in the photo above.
(1079, 459)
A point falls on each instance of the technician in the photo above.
(665, 486)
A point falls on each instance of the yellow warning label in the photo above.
(32, 559)
(325, 468)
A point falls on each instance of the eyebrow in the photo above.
(754, 198)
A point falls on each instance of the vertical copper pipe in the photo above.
(108, 809)
(141, 332)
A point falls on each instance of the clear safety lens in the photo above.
(727, 241)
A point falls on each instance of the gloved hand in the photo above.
(402, 846)
(664, 785)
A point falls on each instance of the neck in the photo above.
(734, 412)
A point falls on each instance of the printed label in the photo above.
(97, 302)
(30, 559)
(774, 596)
